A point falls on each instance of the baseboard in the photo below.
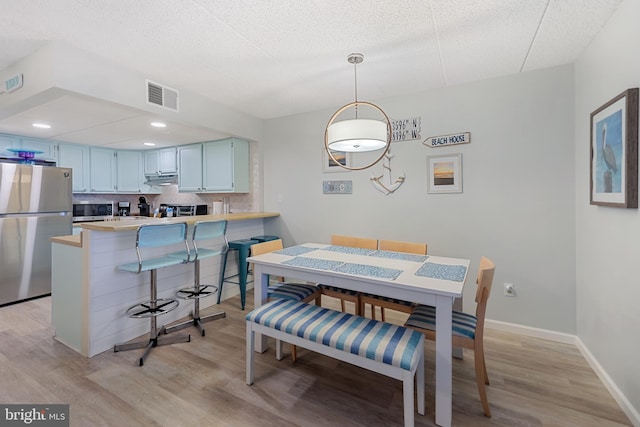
(561, 337)
(531, 331)
(627, 407)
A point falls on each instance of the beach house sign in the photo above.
(453, 139)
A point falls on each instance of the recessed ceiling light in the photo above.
(150, 144)
(41, 125)
(158, 124)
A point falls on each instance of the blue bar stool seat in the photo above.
(215, 232)
(150, 236)
(265, 238)
(243, 247)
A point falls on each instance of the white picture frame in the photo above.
(444, 173)
(328, 165)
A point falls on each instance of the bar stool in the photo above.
(243, 246)
(202, 230)
(149, 236)
(265, 238)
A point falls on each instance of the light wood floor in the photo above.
(202, 383)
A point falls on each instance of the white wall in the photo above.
(518, 177)
(608, 239)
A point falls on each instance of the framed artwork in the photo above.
(614, 152)
(444, 173)
(328, 165)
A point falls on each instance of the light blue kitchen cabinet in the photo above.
(47, 147)
(190, 166)
(162, 161)
(103, 170)
(6, 142)
(225, 166)
(76, 157)
(129, 171)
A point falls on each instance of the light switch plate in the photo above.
(337, 187)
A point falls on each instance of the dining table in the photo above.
(422, 279)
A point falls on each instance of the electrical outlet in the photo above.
(509, 290)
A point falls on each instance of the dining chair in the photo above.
(302, 292)
(467, 330)
(346, 294)
(386, 302)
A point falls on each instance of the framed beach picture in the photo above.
(329, 165)
(444, 173)
(614, 152)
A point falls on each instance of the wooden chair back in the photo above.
(407, 247)
(354, 242)
(485, 281)
(266, 247)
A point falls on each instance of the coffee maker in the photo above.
(143, 206)
(124, 209)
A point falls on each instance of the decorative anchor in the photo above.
(383, 182)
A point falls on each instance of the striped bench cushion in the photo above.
(380, 341)
(292, 291)
(424, 316)
(339, 290)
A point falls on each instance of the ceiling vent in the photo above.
(162, 96)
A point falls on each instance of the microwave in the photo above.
(92, 211)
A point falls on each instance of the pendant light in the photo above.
(357, 135)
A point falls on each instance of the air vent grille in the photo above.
(162, 96)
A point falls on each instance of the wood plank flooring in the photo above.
(534, 382)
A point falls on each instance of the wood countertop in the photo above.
(133, 224)
(75, 240)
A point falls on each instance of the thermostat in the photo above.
(337, 187)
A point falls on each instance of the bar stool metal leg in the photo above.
(196, 293)
(152, 308)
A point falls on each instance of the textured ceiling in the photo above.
(276, 58)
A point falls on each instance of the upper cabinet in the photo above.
(190, 162)
(129, 171)
(76, 157)
(103, 170)
(215, 167)
(162, 161)
(6, 142)
(47, 147)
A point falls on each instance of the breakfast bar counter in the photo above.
(90, 295)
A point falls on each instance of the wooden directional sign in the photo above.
(453, 139)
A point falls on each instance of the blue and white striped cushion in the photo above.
(339, 290)
(292, 291)
(424, 316)
(390, 344)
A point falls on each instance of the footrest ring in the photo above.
(152, 308)
(196, 293)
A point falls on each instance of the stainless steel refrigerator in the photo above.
(35, 204)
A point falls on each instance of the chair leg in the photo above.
(486, 376)
(382, 314)
(294, 353)
(478, 357)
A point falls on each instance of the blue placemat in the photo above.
(295, 250)
(369, 271)
(349, 250)
(399, 255)
(318, 264)
(442, 271)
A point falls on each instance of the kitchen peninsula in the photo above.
(90, 294)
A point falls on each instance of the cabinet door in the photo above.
(102, 170)
(8, 141)
(190, 176)
(151, 162)
(76, 157)
(226, 166)
(129, 171)
(47, 147)
(168, 160)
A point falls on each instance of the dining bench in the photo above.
(391, 350)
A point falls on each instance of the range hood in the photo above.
(161, 179)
